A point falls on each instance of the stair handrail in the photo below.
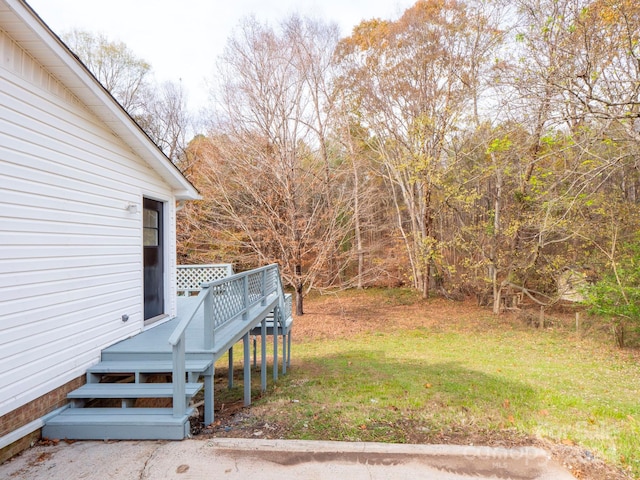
(252, 291)
(177, 342)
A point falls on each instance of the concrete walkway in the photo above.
(278, 459)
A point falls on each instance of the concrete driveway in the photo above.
(278, 459)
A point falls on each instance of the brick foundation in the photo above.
(32, 411)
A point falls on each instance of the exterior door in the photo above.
(153, 258)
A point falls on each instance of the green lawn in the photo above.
(461, 381)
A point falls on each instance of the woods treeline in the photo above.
(466, 148)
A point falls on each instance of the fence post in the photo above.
(578, 322)
(276, 319)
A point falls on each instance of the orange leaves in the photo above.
(430, 11)
(608, 15)
(506, 404)
(366, 35)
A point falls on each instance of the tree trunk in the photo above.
(617, 328)
(299, 299)
(427, 236)
(497, 293)
(356, 214)
(497, 212)
(425, 280)
(299, 294)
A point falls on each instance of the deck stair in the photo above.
(181, 352)
(141, 368)
(118, 424)
(127, 422)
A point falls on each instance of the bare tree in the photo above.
(116, 67)
(166, 119)
(161, 110)
(276, 184)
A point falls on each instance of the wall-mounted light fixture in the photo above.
(132, 208)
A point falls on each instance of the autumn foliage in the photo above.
(466, 147)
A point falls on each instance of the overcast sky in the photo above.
(182, 38)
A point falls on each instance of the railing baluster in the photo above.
(245, 287)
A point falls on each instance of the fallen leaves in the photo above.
(43, 457)
(48, 442)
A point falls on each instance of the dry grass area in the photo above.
(450, 389)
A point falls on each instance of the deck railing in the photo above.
(225, 301)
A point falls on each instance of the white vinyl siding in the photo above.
(70, 251)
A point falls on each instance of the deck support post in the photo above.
(263, 355)
(284, 353)
(230, 373)
(247, 370)
(255, 352)
(208, 395)
(276, 319)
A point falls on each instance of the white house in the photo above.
(87, 223)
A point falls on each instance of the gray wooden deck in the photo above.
(225, 311)
(153, 344)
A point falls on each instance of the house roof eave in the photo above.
(24, 25)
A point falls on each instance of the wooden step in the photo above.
(130, 390)
(142, 366)
(118, 424)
